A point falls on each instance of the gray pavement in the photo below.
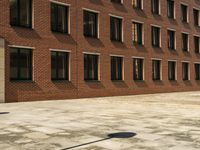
(154, 122)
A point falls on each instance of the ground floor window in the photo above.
(20, 64)
(197, 71)
(116, 68)
(156, 69)
(59, 65)
(172, 70)
(90, 67)
(138, 69)
(185, 70)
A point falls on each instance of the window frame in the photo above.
(142, 34)
(196, 36)
(198, 24)
(174, 9)
(122, 68)
(188, 42)
(160, 69)
(197, 78)
(121, 30)
(160, 36)
(188, 71)
(175, 71)
(159, 8)
(143, 68)
(174, 31)
(187, 13)
(134, 4)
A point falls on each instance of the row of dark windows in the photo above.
(21, 16)
(21, 67)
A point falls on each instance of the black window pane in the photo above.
(138, 69)
(197, 71)
(184, 10)
(90, 67)
(21, 13)
(196, 17)
(155, 6)
(137, 33)
(172, 70)
(171, 39)
(155, 36)
(59, 66)
(196, 44)
(116, 68)
(156, 70)
(185, 42)
(20, 64)
(170, 8)
(59, 18)
(90, 24)
(185, 71)
(116, 1)
(115, 29)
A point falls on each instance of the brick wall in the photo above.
(42, 39)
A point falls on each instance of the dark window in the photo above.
(59, 18)
(90, 67)
(116, 1)
(171, 39)
(156, 69)
(115, 29)
(155, 6)
(137, 33)
(172, 70)
(185, 40)
(116, 68)
(196, 17)
(137, 69)
(20, 64)
(90, 24)
(137, 4)
(197, 71)
(155, 33)
(59, 65)
(184, 10)
(170, 8)
(196, 44)
(21, 13)
(185, 69)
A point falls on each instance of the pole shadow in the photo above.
(119, 135)
(4, 113)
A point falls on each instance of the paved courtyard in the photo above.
(144, 122)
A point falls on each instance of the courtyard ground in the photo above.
(142, 122)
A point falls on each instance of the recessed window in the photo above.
(170, 9)
(116, 68)
(197, 71)
(184, 10)
(20, 64)
(137, 4)
(196, 17)
(90, 67)
(185, 71)
(116, 29)
(90, 24)
(155, 34)
(156, 69)
(171, 39)
(59, 18)
(137, 34)
(116, 1)
(59, 65)
(172, 70)
(196, 44)
(138, 66)
(185, 42)
(155, 6)
(21, 13)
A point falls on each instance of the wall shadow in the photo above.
(97, 2)
(64, 85)
(141, 84)
(120, 84)
(94, 42)
(64, 38)
(95, 85)
(120, 7)
(26, 33)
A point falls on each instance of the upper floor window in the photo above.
(116, 68)
(172, 70)
(115, 29)
(20, 64)
(59, 65)
(91, 67)
(156, 69)
(184, 10)
(185, 71)
(90, 24)
(185, 42)
(138, 69)
(171, 39)
(196, 17)
(21, 13)
(196, 44)
(117, 1)
(155, 34)
(197, 71)
(155, 6)
(59, 18)
(138, 4)
(170, 9)
(137, 34)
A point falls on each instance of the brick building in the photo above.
(60, 49)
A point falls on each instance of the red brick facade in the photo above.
(42, 39)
